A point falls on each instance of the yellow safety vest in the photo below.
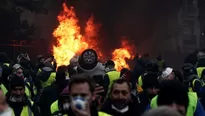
(26, 111)
(3, 88)
(139, 85)
(6, 64)
(54, 107)
(191, 107)
(199, 71)
(190, 87)
(113, 75)
(27, 91)
(51, 79)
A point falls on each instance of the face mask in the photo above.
(123, 110)
(14, 98)
(119, 104)
(79, 102)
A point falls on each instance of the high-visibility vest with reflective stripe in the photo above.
(6, 64)
(51, 79)
(28, 91)
(199, 71)
(54, 107)
(3, 88)
(113, 75)
(191, 107)
(26, 111)
(192, 85)
(139, 85)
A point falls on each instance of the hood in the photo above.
(65, 92)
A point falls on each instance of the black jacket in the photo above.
(134, 108)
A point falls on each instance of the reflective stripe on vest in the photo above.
(6, 64)
(54, 107)
(113, 75)
(26, 111)
(199, 71)
(27, 91)
(191, 107)
(50, 80)
(191, 86)
(3, 88)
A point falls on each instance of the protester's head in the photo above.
(152, 66)
(120, 94)
(62, 76)
(16, 89)
(3, 104)
(74, 61)
(188, 69)
(40, 60)
(150, 84)
(81, 86)
(162, 111)
(18, 70)
(64, 100)
(167, 74)
(173, 94)
(200, 55)
(109, 65)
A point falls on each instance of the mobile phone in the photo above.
(98, 80)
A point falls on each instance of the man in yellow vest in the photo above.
(62, 105)
(47, 76)
(200, 65)
(173, 94)
(18, 100)
(111, 74)
(120, 101)
(190, 78)
(81, 96)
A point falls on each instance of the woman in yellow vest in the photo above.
(173, 94)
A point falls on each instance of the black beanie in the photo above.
(150, 80)
(16, 81)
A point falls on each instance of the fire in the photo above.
(91, 35)
(70, 41)
(120, 55)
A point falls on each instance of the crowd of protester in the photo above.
(88, 87)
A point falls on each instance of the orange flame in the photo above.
(120, 55)
(91, 35)
(69, 39)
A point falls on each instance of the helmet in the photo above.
(88, 59)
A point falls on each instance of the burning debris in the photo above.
(71, 42)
